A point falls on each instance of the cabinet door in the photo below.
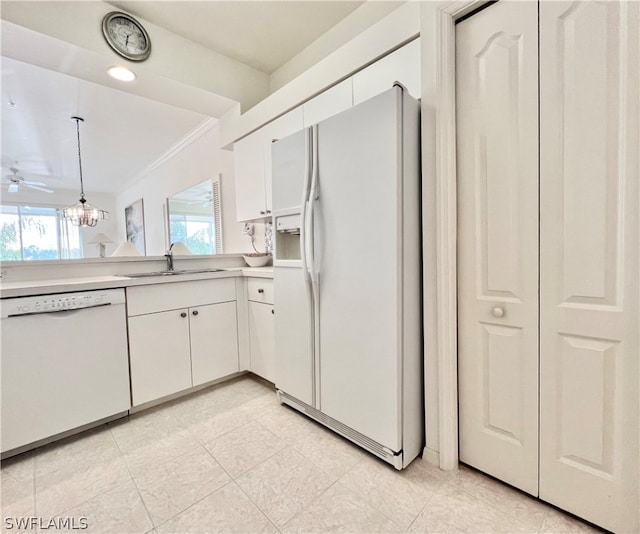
(402, 66)
(248, 157)
(214, 341)
(329, 103)
(262, 340)
(159, 355)
(284, 126)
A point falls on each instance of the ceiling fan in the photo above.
(14, 181)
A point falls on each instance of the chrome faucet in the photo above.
(169, 256)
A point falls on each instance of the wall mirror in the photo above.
(195, 219)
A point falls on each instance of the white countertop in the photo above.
(65, 285)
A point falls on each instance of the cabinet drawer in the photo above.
(160, 297)
(260, 290)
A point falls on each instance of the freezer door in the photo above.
(289, 165)
(294, 339)
(358, 253)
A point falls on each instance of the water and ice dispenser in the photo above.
(287, 238)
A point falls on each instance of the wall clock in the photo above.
(126, 36)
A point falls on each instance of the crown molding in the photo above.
(201, 129)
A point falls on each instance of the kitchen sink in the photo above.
(172, 273)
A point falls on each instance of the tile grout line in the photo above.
(135, 484)
(75, 505)
(484, 501)
(192, 505)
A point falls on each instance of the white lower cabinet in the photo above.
(214, 342)
(173, 347)
(262, 344)
(262, 340)
(160, 354)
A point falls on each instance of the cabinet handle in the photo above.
(260, 290)
(183, 314)
(273, 312)
(194, 312)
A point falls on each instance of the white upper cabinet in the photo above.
(328, 103)
(252, 154)
(402, 66)
(248, 156)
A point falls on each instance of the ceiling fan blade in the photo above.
(29, 182)
(38, 188)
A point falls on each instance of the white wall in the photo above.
(64, 198)
(400, 26)
(199, 161)
(355, 23)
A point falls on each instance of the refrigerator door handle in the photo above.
(304, 244)
(313, 196)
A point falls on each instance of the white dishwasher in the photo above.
(64, 364)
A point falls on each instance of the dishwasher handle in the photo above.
(40, 312)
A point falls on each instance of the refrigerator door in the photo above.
(289, 164)
(294, 338)
(358, 254)
(291, 178)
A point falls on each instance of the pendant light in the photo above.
(83, 213)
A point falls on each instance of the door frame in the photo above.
(446, 228)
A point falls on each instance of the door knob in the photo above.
(195, 312)
(497, 311)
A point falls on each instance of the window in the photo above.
(37, 233)
(195, 218)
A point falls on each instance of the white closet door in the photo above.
(497, 106)
(589, 63)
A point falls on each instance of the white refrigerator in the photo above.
(347, 272)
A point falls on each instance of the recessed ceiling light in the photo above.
(121, 73)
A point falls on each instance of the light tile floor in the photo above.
(232, 459)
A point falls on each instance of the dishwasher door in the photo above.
(61, 371)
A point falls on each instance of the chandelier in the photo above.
(83, 213)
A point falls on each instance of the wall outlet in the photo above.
(248, 229)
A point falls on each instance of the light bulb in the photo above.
(121, 73)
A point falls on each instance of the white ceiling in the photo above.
(124, 133)
(262, 34)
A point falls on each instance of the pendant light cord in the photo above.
(78, 119)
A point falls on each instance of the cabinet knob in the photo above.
(273, 312)
(194, 312)
(260, 290)
(268, 212)
(497, 311)
(262, 213)
(183, 314)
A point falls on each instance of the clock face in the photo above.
(126, 36)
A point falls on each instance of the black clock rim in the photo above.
(105, 32)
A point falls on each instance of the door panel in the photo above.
(357, 237)
(262, 340)
(589, 58)
(214, 342)
(159, 355)
(497, 124)
(289, 163)
(293, 335)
